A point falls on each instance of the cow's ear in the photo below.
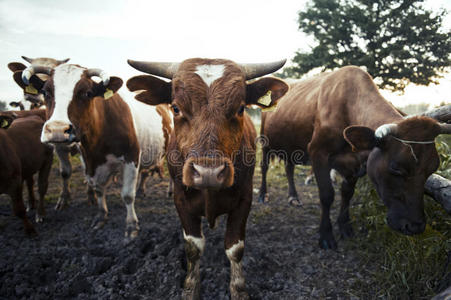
(265, 92)
(154, 90)
(5, 121)
(16, 66)
(114, 84)
(360, 137)
(35, 85)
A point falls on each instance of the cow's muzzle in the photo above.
(58, 132)
(208, 173)
(406, 226)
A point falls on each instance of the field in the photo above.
(282, 259)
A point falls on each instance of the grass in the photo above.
(403, 267)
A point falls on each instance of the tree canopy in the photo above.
(398, 41)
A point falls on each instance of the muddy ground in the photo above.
(69, 260)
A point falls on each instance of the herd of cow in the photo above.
(197, 122)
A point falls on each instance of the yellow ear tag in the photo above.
(271, 108)
(266, 99)
(4, 123)
(108, 94)
(30, 89)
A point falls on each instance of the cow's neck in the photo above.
(93, 124)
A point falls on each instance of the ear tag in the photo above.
(4, 123)
(266, 99)
(271, 108)
(30, 89)
(108, 94)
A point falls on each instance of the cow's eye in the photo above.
(88, 94)
(44, 93)
(175, 109)
(241, 110)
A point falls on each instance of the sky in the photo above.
(104, 34)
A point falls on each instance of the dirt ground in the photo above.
(69, 260)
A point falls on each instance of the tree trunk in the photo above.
(439, 188)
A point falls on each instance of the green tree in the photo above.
(398, 41)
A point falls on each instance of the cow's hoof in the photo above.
(294, 201)
(61, 204)
(98, 223)
(169, 194)
(263, 198)
(239, 295)
(39, 218)
(191, 294)
(346, 230)
(327, 244)
(131, 232)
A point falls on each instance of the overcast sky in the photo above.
(104, 34)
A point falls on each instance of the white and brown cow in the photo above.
(211, 153)
(33, 99)
(115, 133)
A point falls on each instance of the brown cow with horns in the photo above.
(341, 120)
(211, 154)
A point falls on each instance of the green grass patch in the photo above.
(403, 267)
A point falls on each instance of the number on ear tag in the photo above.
(30, 89)
(108, 94)
(266, 99)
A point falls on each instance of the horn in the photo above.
(256, 70)
(445, 128)
(441, 114)
(386, 129)
(162, 69)
(63, 61)
(31, 70)
(30, 60)
(99, 73)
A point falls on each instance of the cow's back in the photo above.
(290, 126)
(25, 134)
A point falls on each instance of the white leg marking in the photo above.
(236, 272)
(199, 242)
(129, 179)
(231, 251)
(209, 73)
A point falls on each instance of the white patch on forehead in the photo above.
(209, 73)
(64, 80)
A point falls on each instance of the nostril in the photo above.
(222, 172)
(196, 170)
(69, 130)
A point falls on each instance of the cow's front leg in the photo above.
(347, 191)
(234, 247)
(326, 195)
(130, 177)
(102, 209)
(66, 172)
(194, 247)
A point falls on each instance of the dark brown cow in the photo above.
(212, 149)
(342, 122)
(21, 156)
(13, 115)
(116, 133)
